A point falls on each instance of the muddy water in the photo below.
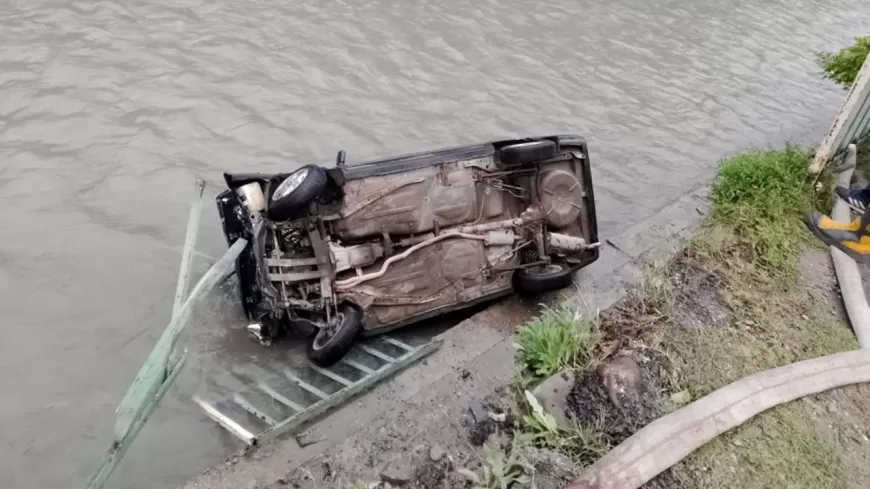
(109, 109)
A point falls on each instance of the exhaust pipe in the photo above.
(563, 242)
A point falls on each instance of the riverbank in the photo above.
(691, 301)
(474, 365)
(752, 290)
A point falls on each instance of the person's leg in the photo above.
(858, 199)
(852, 238)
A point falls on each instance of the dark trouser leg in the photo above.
(865, 221)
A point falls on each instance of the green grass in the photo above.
(778, 448)
(558, 338)
(783, 447)
(774, 323)
(761, 197)
(843, 66)
(770, 329)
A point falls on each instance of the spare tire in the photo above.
(522, 153)
(296, 192)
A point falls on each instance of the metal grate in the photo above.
(269, 403)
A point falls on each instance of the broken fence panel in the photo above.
(187, 252)
(851, 124)
(153, 372)
(119, 448)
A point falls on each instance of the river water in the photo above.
(108, 110)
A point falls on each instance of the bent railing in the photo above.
(852, 123)
(164, 362)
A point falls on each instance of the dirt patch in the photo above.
(818, 281)
(432, 474)
(699, 297)
(695, 327)
(590, 405)
(842, 416)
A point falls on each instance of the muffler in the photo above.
(570, 244)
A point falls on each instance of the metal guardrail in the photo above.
(852, 123)
(164, 363)
(270, 404)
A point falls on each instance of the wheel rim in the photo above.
(545, 270)
(290, 184)
(327, 333)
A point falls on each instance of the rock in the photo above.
(552, 393)
(621, 380)
(429, 476)
(436, 453)
(468, 475)
(752, 432)
(832, 407)
(479, 432)
(478, 411)
(398, 472)
(553, 469)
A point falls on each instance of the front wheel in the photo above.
(334, 340)
(542, 279)
(296, 192)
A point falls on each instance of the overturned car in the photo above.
(335, 253)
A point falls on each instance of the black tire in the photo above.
(523, 153)
(327, 351)
(284, 204)
(539, 280)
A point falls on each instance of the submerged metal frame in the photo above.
(164, 363)
(303, 414)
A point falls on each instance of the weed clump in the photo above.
(583, 444)
(843, 66)
(761, 196)
(558, 338)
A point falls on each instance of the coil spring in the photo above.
(530, 256)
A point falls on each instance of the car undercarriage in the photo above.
(363, 249)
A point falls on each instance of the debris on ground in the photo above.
(309, 438)
(553, 392)
(398, 472)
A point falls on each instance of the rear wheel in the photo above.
(542, 279)
(522, 153)
(333, 341)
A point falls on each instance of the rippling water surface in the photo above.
(108, 110)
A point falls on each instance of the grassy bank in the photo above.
(751, 291)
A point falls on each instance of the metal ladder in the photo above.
(268, 403)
